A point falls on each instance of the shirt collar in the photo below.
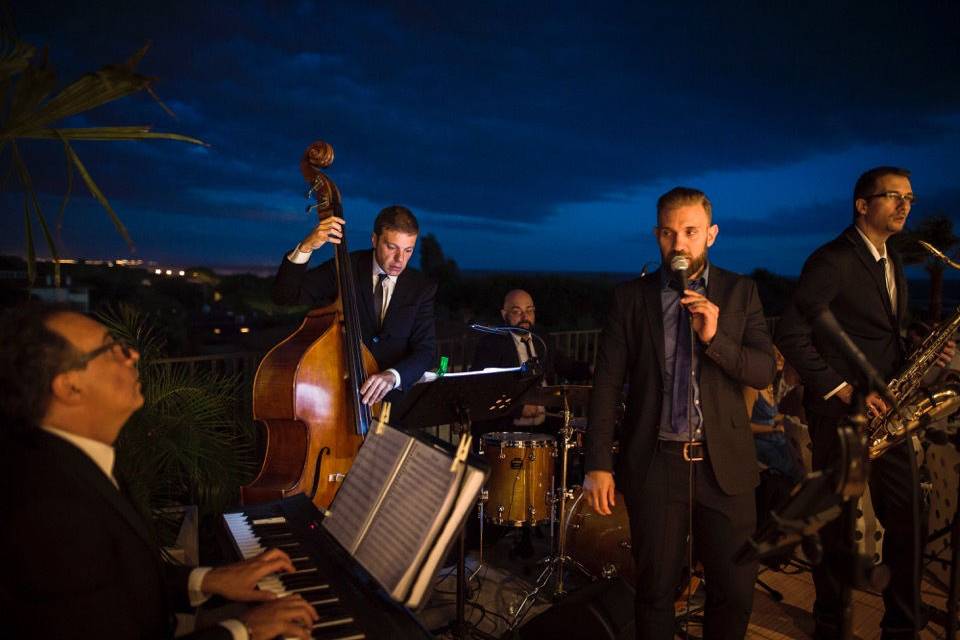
(377, 269)
(102, 454)
(666, 281)
(870, 246)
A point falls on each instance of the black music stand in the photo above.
(823, 496)
(460, 398)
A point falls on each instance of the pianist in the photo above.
(80, 561)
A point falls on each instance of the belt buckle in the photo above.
(693, 457)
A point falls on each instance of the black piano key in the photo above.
(343, 633)
(352, 606)
(292, 581)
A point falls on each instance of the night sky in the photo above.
(524, 136)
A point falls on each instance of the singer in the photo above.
(685, 339)
(861, 280)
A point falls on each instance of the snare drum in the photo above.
(521, 477)
(600, 544)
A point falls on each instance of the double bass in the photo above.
(306, 393)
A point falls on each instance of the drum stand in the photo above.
(554, 564)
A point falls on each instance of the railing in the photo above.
(579, 345)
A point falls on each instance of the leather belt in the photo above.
(692, 451)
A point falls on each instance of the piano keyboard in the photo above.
(257, 528)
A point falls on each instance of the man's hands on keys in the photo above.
(600, 490)
(377, 386)
(329, 230)
(946, 355)
(238, 581)
(289, 617)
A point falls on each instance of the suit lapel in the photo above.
(363, 266)
(400, 291)
(653, 309)
(901, 281)
(872, 268)
(89, 475)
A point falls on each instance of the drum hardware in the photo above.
(554, 563)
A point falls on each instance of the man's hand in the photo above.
(704, 314)
(329, 230)
(290, 617)
(377, 386)
(946, 355)
(238, 581)
(600, 491)
(875, 404)
(532, 410)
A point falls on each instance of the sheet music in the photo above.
(466, 499)
(410, 518)
(365, 486)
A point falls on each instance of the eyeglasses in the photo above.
(114, 346)
(908, 198)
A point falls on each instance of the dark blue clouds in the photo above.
(531, 136)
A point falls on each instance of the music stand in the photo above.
(460, 398)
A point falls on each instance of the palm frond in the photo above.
(110, 134)
(15, 59)
(186, 443)
(30, 197)
(89, 92)
(66, 198)
(98, 195)
(33, 85)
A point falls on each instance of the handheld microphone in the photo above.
(679, 264)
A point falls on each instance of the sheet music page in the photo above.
(466, 500)
(365, 486)
(412, 514)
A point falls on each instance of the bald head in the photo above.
(518, 309)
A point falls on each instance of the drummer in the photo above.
(515, 349)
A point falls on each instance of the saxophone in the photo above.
(919, 406)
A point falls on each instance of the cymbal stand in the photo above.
(554, 564)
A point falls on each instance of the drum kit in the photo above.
(521, 492)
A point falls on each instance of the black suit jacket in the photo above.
(80, 562)
(844, 275)
(501, 351)
(407, 341)
(632, 352)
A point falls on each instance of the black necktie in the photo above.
(680, 401)
(378, 298)
(526, 346)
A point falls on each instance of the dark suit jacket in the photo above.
(79, 560)
(407, 341)
(844, 275)
(632, 352)
(501, 351)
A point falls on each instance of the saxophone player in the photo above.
(861, 279)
